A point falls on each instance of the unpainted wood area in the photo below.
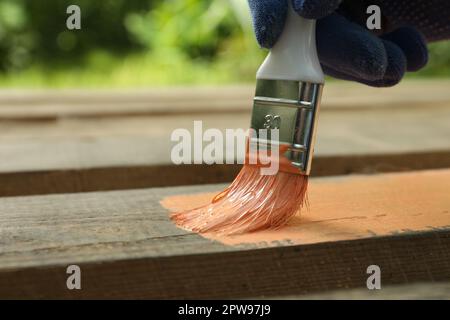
(52, 104)
(75, 141)
(416, 291)
(127, 247)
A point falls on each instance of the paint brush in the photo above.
(284, 118)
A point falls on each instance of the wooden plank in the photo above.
(73, 155)
(416, 291)
(151, 176)
(75, 144)
(127, 247)
(54, 104)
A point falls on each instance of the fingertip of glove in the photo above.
(413, 45)
(268, 20)
(396, 67)
(371, 58)
(350, 49)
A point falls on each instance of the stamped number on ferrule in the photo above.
(272, 121)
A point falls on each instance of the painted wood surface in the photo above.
(126, 245)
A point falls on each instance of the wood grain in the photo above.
(41, 104)
(160, 175)
(77, 150)
(127, 247)
(416, 291)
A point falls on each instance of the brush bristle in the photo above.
(252, 202)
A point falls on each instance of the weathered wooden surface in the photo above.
(417, 291)
(69, 141)
(54, 104)
(127, 247)
(141, 176)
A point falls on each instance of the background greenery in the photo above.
(137, 43)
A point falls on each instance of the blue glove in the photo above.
(347, 49)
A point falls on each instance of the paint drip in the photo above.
(253, 202)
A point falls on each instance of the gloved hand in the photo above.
(347, 49)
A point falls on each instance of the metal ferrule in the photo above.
(292, 107)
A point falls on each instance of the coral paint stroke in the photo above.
(351, 207)
(251, 203)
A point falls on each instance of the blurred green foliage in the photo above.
(439, 63)
(35, 31)
(137, 43)
(191, 27)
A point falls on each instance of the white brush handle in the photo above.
(294, 56)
